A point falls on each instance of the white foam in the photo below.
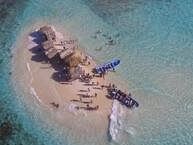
(131, 131)
(115, 120)
(72, 108)
(33, 92)
(28, 67)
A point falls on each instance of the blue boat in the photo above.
(103, 68)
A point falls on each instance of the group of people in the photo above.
(111, 39)
(86, 61)
(85, 97)
(86, 77)
(88, 107)
(88, 96)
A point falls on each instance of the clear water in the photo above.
(154, 40)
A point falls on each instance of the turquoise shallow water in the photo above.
(154, 42)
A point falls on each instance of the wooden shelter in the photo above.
(48, 45)
(53, 46)
(48, 32)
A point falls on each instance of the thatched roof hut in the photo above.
(53, 46)
(48, 32)
(47, 45)
(65, 53)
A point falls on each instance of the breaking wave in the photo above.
(115, 120)
(33, 92)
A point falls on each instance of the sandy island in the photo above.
(35, 74)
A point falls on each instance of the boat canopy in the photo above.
(107, 66)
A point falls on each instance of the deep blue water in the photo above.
(154, 40)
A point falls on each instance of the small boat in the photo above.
(122, 97)
(106, 66)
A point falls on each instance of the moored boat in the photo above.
(122, 97)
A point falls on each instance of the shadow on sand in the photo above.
(38, 37)
(61, 74)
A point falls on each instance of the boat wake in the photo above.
(115, 120)
(118, 130)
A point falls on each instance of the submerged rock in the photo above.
(1, 61)
(5, 129)
(99, 49)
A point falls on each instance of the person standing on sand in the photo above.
(54, 104)
(95, 94)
